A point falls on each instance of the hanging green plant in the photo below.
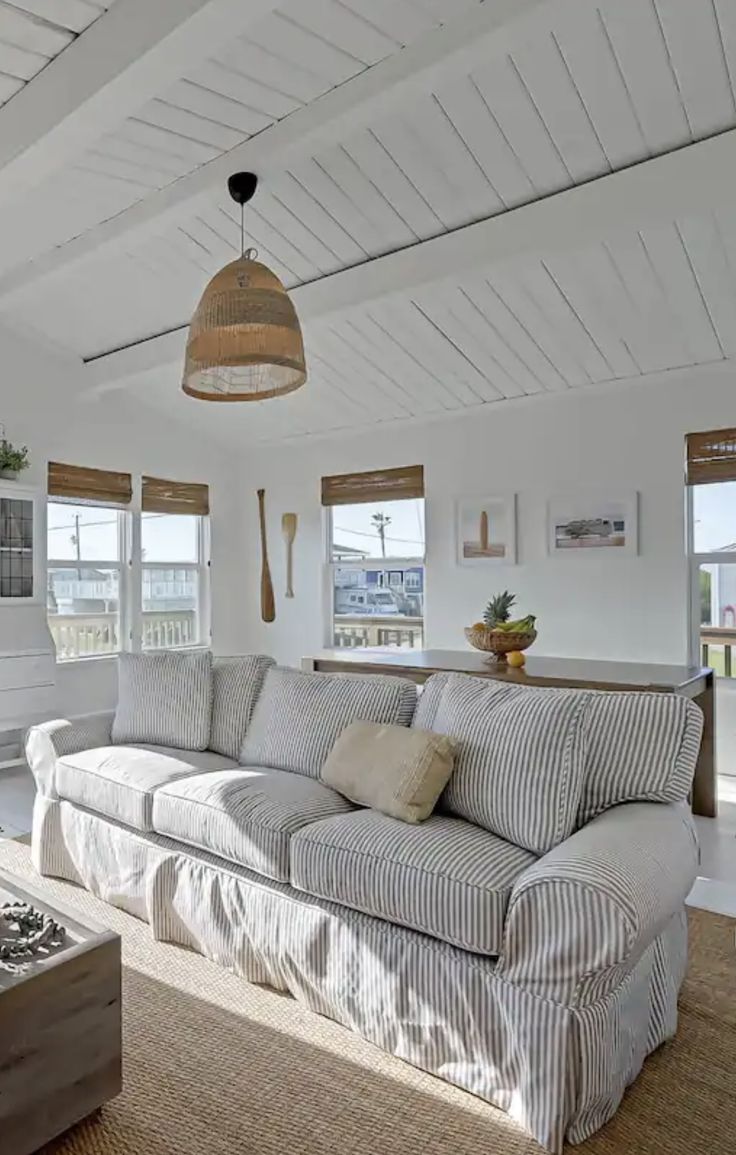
(13, 459)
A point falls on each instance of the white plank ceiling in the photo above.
(587, 90)
(33, 32)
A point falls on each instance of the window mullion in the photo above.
(134, 593)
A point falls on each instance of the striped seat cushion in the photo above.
(165, 699)
(120, 781)
(444, 877)
(641, 747)
(299, 716)
(520, 758)
(236, 684)
(246, 816)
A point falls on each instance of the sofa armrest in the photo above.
(581, 917)
(51, 740)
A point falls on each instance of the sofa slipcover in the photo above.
(443, 877)
(120, 781)
(299, 716)
(245, 815)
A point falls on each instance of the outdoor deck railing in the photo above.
(724, 636)
(85, 635)
(395, 631)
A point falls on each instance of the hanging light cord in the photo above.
(242, 230)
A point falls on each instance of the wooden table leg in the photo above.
(705, 782)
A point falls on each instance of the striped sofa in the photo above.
(527, 942)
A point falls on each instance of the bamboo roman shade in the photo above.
(711, 457)
(160, 496)
(378, 485)
(89, 486)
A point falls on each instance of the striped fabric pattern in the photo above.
(558, 1070)
(246, 816)
(429, 700)
(50, 740)
(640, 747)
(120, 781)
(299, 716)
(165, 699)
(443, 877)
(236, 684)
(580, 917)
(520, 758)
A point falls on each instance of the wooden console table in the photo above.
(694, 682)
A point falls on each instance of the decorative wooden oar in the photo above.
(288, 529)
(268, 603)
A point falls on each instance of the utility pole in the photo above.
(381, 522)
(76, 539)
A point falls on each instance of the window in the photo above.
(122, 579)
(173, 597)
(375, 558)
(711, 505)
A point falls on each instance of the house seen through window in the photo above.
(376, 569)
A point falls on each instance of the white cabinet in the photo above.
(22, 545)
(27, 656)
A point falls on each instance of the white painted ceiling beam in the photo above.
(692, 180)
(135, 50)
(460, 45)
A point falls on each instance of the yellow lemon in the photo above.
(515, 659)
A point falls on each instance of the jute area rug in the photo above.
(215, 1066)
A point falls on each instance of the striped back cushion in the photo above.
(236, 684)
(641, 747)
(520, 759)
(299, 716)
(165, 699)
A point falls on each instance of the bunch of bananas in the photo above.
(520, 626)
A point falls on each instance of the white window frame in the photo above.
(130, 568)
(121, 566)
(371, 564)
(695, 561)
(202, 567)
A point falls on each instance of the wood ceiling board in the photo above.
(416, 376)
(550, 84)
(167, 116)
(146, 176)
(587, 52)
(489, 300)
(567, 323)
(653, 334)
(679, 285)
(310, 212)
(635, 35)
(379, 167)
(280, 217)
(457, 315)
(382, 222)
(390, 394)
(343, 210)
(76, 15)
(548, 336)
(18, 63)
(695, 49)
(464, 105)
(8, 88)
(194, 152)
(578, 276)
(503, 90)
(708, 252)
(432, 347)
(402, 20)
(348, 31)
(371, 344)
(210, 93)
(294, 45)
(36, 35)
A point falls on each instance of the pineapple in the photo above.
(498, 609)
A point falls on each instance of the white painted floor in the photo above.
(714, 890)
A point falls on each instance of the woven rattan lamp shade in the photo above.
(245, 343)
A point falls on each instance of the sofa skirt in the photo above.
(560, 1071)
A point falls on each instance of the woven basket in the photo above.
(499, 642)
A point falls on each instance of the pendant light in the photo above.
(244, 342)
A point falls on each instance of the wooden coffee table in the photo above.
(60, 1029)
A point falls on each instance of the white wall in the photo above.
(38, 408)
(617, 439)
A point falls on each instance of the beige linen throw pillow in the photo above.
(399, 771)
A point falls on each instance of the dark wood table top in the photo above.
(537, 671)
